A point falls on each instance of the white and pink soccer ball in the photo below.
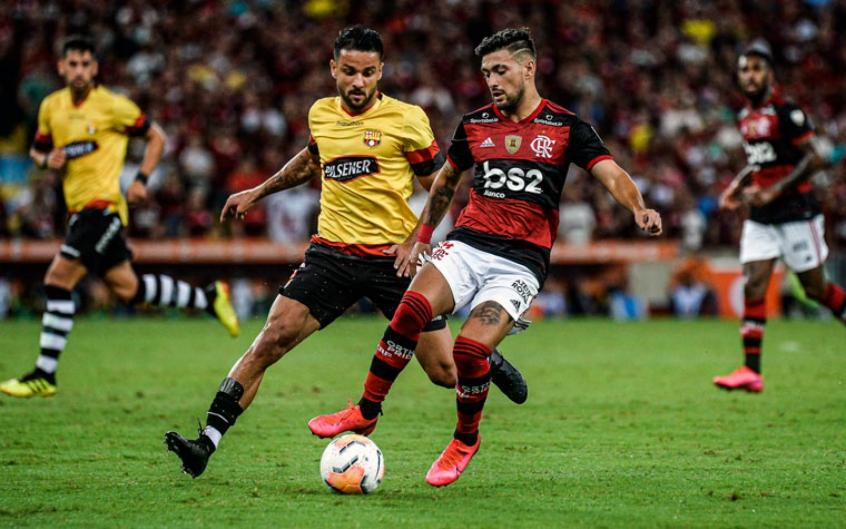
(352, 464)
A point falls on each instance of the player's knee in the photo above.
(125, 293)
(443, 375)
(274, 341)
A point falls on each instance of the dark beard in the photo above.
(354, 106)
(511, 103)
(79, 93)
(757, 98)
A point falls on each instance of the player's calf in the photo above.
(161, 290)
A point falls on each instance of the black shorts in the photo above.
(330, 282)
(95, 237)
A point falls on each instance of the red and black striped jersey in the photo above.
(772, 134)
(520, 169)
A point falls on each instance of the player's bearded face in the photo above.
(357, 75)
(78, 68)
(753, 75)
(505, 79)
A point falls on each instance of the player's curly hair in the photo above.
(80, 43)
(359, 38)
(512, 39)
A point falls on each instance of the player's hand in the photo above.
(401, 252)
(238, 205)
(649, 221)
(137, 192)
(409, 267)
(56, 159)
(760, 197)
(729, 200)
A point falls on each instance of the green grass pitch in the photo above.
(622, 429)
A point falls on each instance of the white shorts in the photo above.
(801, 244)
(475, 276)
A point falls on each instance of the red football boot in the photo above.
(451, 463)
(349, 419)
(741, 378)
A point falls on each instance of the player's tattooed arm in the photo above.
(299, 169)
(440, 195)
(811, 162)
(625, 191)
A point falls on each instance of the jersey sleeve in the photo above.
(312, 143)
(586, 148)
(794, 124)
(43, 141)
(420, 148)
(129, 118)
(459, 155)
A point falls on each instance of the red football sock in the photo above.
(395, 350)
(835, 300)
(474, 379)
(752, 332)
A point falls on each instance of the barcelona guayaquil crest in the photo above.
(372, 137)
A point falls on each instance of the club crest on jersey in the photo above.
(757, 128)
(372, 138)
(542, 146)
(512, 143)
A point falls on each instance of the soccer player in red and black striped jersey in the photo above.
(497, 257)
(784, 218)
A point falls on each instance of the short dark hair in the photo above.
(512, 39)
(359, 38)
(79, 43)
(759, 48)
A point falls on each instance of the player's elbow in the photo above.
(157, 134)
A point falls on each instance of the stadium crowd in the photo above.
(231, 82)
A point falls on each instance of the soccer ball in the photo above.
(352, 464)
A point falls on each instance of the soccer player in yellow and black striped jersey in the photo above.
(83, 131)
(367, 148)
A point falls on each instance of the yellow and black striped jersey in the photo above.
(369, 161)
(93, 135)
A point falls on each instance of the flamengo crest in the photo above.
(372, 137)
(542, 145)
(512, 143)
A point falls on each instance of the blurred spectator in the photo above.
(690, 294)
(577, 219)
(231, 80)
(247, 176)
(292, 215)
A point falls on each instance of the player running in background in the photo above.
(784, 219)
(83, 131)
(497, 257)
(368, 147)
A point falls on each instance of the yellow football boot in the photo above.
(223, 309)
(27, 386)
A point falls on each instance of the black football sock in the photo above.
(224, 410)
